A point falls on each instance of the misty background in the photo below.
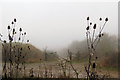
(55, 24)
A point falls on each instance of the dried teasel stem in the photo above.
(92, 45)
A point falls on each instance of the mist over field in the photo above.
(57, 24)
(59, 39)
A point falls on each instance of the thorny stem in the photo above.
(99, 33)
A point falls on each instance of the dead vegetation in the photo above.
(17, 52)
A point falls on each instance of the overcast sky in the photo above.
(56, 24)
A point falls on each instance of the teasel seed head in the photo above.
(12, 22)
(4, 41)
(24, 33)
(20, 29)
(87, 18)
(14, 19)
(87, 28)
(100, 19)
(90, 23)
(94, 27)
(8, 27)
(106, 19)
(102, 34)
(99, 35)
(19, 38)
(27, 40)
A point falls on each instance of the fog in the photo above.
(55, 24)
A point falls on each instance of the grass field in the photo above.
(53, 70)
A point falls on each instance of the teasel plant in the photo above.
(21, 53)
(11, 33)
(93, 38)
(13, 50)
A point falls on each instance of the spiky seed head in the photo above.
(8, 27)
(12, 22)
(19, 38)
(99, 35)
(94, 27)
(20, 29)
(96, 57)
(87, 18)
(27, 40)
(21, 49)
(14, 19)
(4, 41)
(100, 19)
(90, 23)
(106, 19)
(87, 28)
(102, 34)
(24, 33)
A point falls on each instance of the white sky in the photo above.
(56, 23)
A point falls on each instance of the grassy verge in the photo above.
(108, 69)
